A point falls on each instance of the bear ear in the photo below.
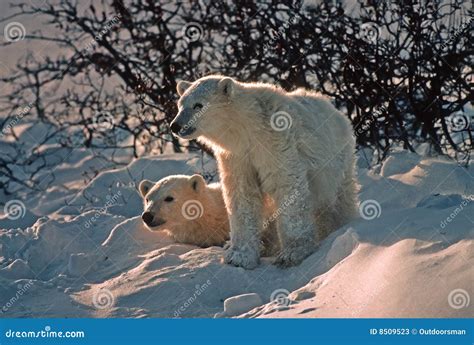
(145, 187)
(226, 86)
(197, 181)
(183, 86)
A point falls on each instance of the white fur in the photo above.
(211, 228)
(313, 159)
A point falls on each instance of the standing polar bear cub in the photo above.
(269, 143)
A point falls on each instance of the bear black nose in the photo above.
(175, 127)
(147, 218)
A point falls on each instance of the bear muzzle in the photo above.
(183, 124)
(148, 219)
(175, 127)
(182, 131)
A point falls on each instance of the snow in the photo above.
(240, 304)
(83, 251)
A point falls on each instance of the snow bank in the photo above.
(410, 255)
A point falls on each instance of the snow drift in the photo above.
(410, 254)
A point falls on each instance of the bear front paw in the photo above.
(293, 256)
(247, 259)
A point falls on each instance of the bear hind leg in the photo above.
(296, 227)
(341, 212)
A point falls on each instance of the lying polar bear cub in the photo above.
(190, 210)
(193, 212)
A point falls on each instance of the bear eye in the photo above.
(197, 106)
(169, 199)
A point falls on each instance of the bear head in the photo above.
(172, 201)
(199, 105)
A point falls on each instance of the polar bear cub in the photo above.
(268, 142)
(190, 210)
(194, 212)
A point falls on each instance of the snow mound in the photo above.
(410, 254)
(240, 304)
